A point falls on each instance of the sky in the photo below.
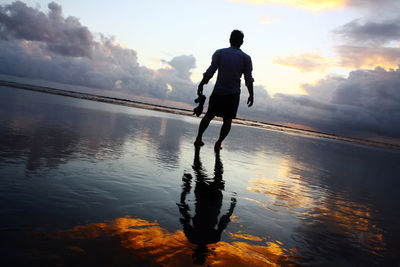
(330, 65)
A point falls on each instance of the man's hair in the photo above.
(236, 38)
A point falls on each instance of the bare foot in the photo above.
(198, 143)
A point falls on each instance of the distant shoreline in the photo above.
(186, 112)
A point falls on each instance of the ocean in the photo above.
(85, 182)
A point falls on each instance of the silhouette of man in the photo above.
(231, 63)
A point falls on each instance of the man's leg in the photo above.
(205, 121)
(226, 127)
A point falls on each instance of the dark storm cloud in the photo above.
(376, 90)
(366, 32)
(63, 36)
(50, 47)
(366, 101)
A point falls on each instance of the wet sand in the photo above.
(87, 182)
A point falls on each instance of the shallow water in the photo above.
(92, 183)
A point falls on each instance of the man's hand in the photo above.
(250, 101)
(200, 89)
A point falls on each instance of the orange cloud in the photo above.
(310, 5)
(306, 62)
(354, 57)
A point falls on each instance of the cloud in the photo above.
(50, 47)
(372, 33)
(310, 5)
(63, 36)
(365, 45)
(306, 62)
(365, 104)
(375, 6)
(371, 89)
(182, 64)
(321, 5)
(369, 43)
(368, 57)
(366, 101)
(371, 97)
(324, 90)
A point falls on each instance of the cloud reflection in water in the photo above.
(129, 240)
(136, 241)
(328, 220)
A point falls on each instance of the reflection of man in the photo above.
(224, 101)
(208, 197)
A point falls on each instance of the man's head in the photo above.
(236, 38)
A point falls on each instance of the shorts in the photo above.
(224, 106)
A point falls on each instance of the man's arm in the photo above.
(209, 72)
(249, 80)
(250, 100)
(201, 85)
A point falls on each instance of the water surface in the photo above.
(84, 182)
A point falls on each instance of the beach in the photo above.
(169, 107)
(89, 182)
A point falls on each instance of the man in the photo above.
(231, 63)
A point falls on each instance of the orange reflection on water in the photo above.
(145, 238)
(134, 241)
(336, 213)
(282, 187)
(246, 237)
(282, 192)
(355, 219)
